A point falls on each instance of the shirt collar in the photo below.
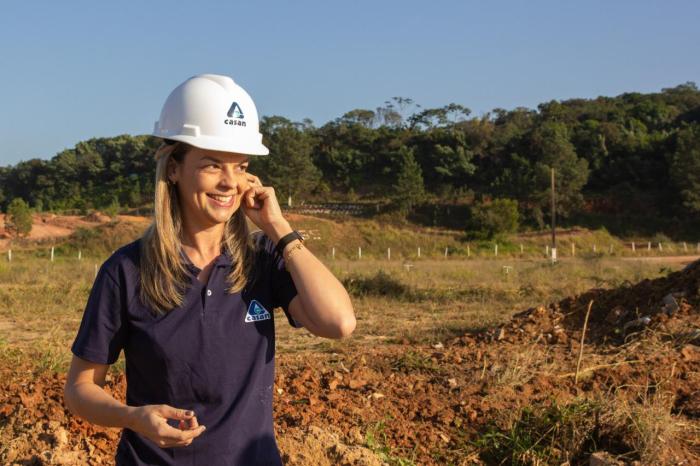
(223, 260)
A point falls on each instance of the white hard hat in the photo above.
(210, 111)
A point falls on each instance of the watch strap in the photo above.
(286, 239)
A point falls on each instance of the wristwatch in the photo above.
(286, 239)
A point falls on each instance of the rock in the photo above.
(690, 353)
(501, 334)
(357, 383)
(670, 305)
(615, 315)
(61, 437)
(636, 324)
(452, 382)
(560, 336)
(603, 458)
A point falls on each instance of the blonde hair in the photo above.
(164, 274)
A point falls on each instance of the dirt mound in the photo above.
(106, 238)
(97, 216)
(321, 447)
(670, 303)
(38, 430)
(49, 227)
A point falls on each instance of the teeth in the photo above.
(223, 199)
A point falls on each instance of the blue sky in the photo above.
(75, 70)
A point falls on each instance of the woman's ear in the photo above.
(172, 171)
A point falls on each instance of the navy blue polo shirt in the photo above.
(213, 355)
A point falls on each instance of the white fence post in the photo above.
(359, 252)
(573, 249)
(9, 255)
(51, 253)
(445, 252)
(418, 251)
(495, 250)
(633, 247)
(80, 254)
(388, 253)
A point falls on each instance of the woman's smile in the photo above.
(218, 200)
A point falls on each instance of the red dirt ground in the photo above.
(429, 402)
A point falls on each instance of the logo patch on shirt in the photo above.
(256, 312)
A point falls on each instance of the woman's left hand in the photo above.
(260, 204)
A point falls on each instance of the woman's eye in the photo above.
(243, 168)
(211, 166)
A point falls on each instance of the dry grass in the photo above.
(41, 302)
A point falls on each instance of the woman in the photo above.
(191, 302)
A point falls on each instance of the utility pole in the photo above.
(554, 225)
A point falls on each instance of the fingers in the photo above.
(253, 183)
(254, 179)
(257, 193)
(175, 413)
(188, 424)
(171, 437)
(171, 434)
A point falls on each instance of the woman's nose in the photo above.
(235, 181)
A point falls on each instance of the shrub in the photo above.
(497, 217)
(380, 284)
(19, 218)
(113, 209)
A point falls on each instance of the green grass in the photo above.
(543, 435)
(375, 440)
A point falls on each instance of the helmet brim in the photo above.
(211, 143)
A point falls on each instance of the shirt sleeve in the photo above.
(283, 288)
(102, 331)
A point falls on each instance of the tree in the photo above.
(289, 167)
(445, 158)
(408, 189)
(685, 167)
(552, 148)
(19, 218)
(439, 117)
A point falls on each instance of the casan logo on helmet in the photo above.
(235, 112)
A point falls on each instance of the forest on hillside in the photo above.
(630, 163)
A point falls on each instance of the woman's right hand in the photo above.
(151, 421)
